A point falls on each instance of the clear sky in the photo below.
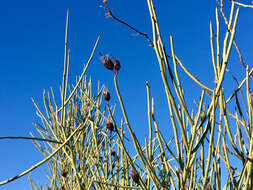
(32, 53)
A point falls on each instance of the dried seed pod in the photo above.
(64, 173)
(106, 93)
(116, 63)
(109, 125)
(113, 153)
(135, 176)
(107, 96)
(106, 62)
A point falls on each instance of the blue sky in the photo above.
(32, 53)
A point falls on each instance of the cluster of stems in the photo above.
(81, 154)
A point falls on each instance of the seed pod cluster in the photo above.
(111, 64)
(135, 176)
(109, 125)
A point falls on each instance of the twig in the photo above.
(110, 14)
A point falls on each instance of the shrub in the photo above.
(85, 148)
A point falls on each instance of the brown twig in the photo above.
(240, 55)
(110, 14)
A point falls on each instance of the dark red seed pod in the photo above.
(113, 153)
(117, 65)
(106, 61)
(64, 173)
(108, 64)
(107, 96)
(109, 125)
(135, 176)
